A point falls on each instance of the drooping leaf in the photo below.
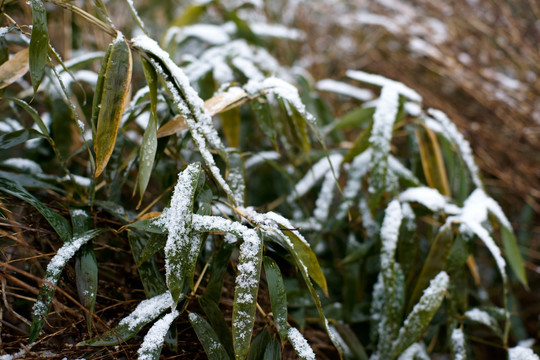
(149, 142)
(512, 254)
(18, 137)
(300, 344)
(421, 315)
(245, 294)
(153, 341)
(355, 118)
(34, 114)
(218, 323)
(54, 270)
(14, 68)
(59, 223)
(146, 312)
(278, 295)
(172, 127)
(116, 78)
(218, 271)
(86, 267)
(39, 43)
(208, 338)
(148, 269)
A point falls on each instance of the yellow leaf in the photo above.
(13, 69)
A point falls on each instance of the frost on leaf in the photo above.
(428, 197)
(458, 344)
(148, 310)
(181, 248)
(153, 340)
(315, 174)
(300, 344)
(422, 313)
(521, 353)
(416, 351)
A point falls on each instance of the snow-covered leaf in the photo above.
(208, 338)
(300, 344)
(153, 340)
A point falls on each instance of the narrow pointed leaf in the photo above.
(232, 98)
(432, 160)
(34, 114)
(54, 270)
(149, 141)
(208, 338)
(300, 344)
(513, 255)
(146, 312)
(172, 127)
(273, 350)
(421, 315)
(218, 271)
(436, 261)
(14, 68)
(39, 43)
(245, 294)
(258, 345)
(278, 295)
(218, 323)
(355, 118)
(231, 122)
(59, 223)
(18, 137)
(153, 341)
(116, 78)
(148, 269)
(86, 268)
(360, 144)
(263, 113)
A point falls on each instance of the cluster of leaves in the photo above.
(391, 216)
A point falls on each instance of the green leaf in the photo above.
(259, 345)
(360, 144)
(354, 344)
(155, 243)
(34, 114)
(304, 256)
(153, 341)
(39, 43)
(54, 270)
(436, 261)
(148, 225)
(263, 113)
(149, 142)
(86, 268)
(149, 274)
(115, 78)
(208, 338)
(273, 350)
(146, 312)
(192, 13)
(245, 295)
(355, 118)
(231, 122)
(278, 295)
(218, 323)
(513, 255)
(218, 271)
(421, 315)
(59, 223)
(30, 181)
(18, 137)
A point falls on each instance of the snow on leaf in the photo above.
(300, 344)
(181, 249)
(521, 353)
(416, 351)
(385, 82)
(484, 318)
(323, 202)
(422, 313)
(339, 87)
(428, 197)
(389, 236)
(151, 346)
(458, 344)
(147, 310)
(315, 174)
(451, 132)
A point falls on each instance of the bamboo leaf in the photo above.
(263, 113)
(300, 344)
(218, 323)
(18, 137)
(146, 312)
(436, 261)
(217, 273)
(149, 274)
(172, 127)
(182, 246)
(14, 68)
(39, 43)
(208, 338)
(273, 350)
(148, 225)
(421, 315)
(259, 345)
(231, 122)
(432, 160)
(59, 223)
(355, 118)
(245, 295)
(513, 255)
(225, 101)
(278, 295)
(192, 14)
(149, 141)
(360, 144)
(86, 268)
(153, 341)
(155, 243)
(54, 270)
(116, 75)
(35, 116)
